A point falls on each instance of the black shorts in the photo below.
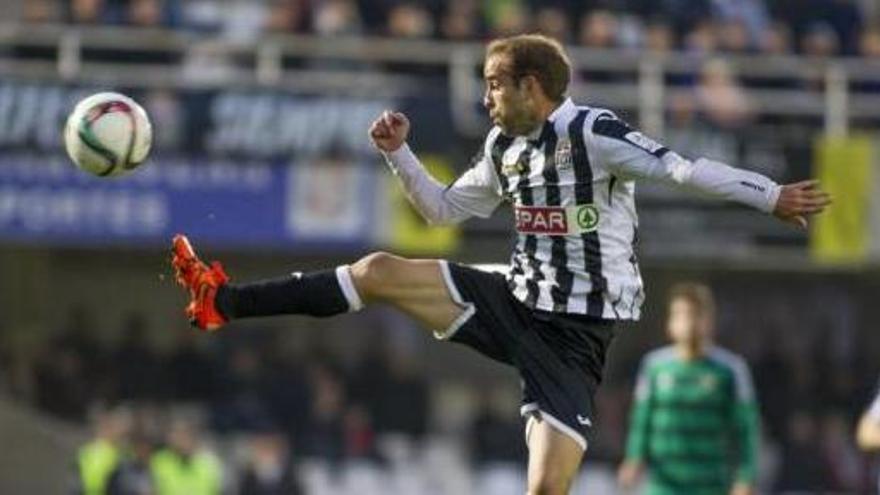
(559, 356)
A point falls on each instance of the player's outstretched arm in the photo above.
(474, 193)
(628, 153)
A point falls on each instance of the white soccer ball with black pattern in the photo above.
(108, 134)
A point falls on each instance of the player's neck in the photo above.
(545, 109)
(691, 352)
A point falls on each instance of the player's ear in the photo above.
(532, 85)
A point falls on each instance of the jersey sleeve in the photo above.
(639, 424)
(746, 423)
(477, 192)
(627, 153)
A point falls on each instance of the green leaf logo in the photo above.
(587, 217)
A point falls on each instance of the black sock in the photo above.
(314, 294)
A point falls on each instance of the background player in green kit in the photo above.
(694, 425)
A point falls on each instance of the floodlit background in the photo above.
(260, 110)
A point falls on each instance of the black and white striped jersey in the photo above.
(571, 185)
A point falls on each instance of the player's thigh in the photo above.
(416, 287)
(554, 459)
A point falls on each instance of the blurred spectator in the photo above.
(268, 470)
(720, 97)
(869, 43)
(734, 37)
(144, 13)
(238, 20)
(337, 18)
(553, 22)
(101, 456)
(684, 14)
(820, 40)
(461, 20)
(185, 465)
(509, 18)
(776, 40)
(702, 40)
(410, 20)
(152, 13)
(38, 11)
(289, 16)
(86, 11)
(598, 29)
(133, 475)
(751, 14)
(658, 37)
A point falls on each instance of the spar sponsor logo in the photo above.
(554, 220)
(541, 220)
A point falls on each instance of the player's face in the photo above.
(686, 324)
(511, 104)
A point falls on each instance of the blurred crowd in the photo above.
(813, 27)
(811, 364)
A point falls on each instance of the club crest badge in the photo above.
(563, 154)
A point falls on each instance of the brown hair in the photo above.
(539, 56)
(699, 295)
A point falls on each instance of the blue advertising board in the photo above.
(231, 203)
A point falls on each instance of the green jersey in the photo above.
(694, 423)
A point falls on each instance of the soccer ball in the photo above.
(108, 134)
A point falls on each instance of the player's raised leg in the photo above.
(554, 458)
(416, 287)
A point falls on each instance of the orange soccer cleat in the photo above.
(201, 280)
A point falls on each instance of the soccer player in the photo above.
(694, 425)
(568, 172)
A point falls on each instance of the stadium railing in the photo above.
(638, 81)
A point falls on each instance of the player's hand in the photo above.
(389, 131)
(799, 200)
(629, 474)
(742, 489)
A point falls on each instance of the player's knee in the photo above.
(549, 481)
(374, 273)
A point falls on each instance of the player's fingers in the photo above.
(387, 119)
(379, 130)
(399, 118)
(813, 199)
(811, 209)
(807, 184)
